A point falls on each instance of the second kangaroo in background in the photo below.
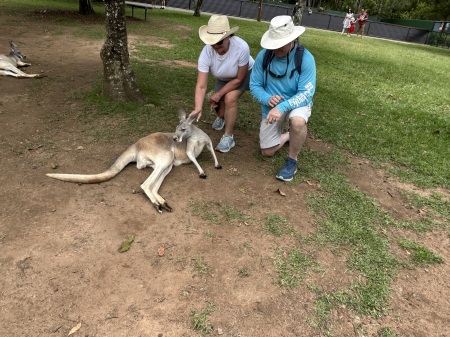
(160, 151)
(9, 64)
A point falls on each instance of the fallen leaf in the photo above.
(281, 192)
(125, 246)
(75, 329)
(161, 250)
(312, 184)
(422, 211)
(80, 148)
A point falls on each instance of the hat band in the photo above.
(221, 33)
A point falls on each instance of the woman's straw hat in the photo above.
(281, 32)
(217, 29)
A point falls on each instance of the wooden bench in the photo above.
(144, 6)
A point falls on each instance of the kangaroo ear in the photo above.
(181, 114)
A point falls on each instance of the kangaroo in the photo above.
(160, 151)
(9, 63)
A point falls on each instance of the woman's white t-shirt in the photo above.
(225, 67)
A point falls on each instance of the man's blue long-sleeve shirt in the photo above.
(297, 91)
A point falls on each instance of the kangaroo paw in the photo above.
(203, 176)
(166, 207)
(158, 208)
(218, 167)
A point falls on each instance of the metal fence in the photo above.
(320, 20)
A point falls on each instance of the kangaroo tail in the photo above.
(124, 159)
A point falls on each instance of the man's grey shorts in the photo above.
(269, 134)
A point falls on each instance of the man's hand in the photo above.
(273, 116)
(274, 100)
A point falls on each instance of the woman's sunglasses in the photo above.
(218, 43)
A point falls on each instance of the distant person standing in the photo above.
(162, 2)
(361, 20)
(352, 27)
(349, 17)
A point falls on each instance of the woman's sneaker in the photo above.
(288, 171)
(218, 124)
(225, 144)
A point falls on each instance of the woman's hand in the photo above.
(213, 106)
(214, 98)
(199, 116)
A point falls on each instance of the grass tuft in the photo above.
(200, 319)
(419, 255)
(291, 266)
(278, 226)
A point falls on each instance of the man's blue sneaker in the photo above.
(218, 124)
(288, 171)
(225, 144)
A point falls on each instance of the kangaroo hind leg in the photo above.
(209, 146)
(162, 167)
(163, 204)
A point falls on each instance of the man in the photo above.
(285, 94)
(361, 19)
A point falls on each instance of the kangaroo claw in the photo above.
(166, 207)
(218, 167)
(202, 176)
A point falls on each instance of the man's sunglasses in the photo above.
(275, 75)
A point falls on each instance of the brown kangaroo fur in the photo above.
(160, 151)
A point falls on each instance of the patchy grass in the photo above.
(200, 319)
(277, 225)
(291, 265)
(419, 255)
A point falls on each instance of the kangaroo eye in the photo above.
(183, 129)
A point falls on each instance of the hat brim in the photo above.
(268, 43)
(209, 38)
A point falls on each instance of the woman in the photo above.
(349, 17)
(228, 59)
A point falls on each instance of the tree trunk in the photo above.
(85, 7)
(118, 78)
(259, 11)
(197, 6)
(298, 12)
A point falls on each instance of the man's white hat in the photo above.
(281, 32)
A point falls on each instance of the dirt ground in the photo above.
(59, 242)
